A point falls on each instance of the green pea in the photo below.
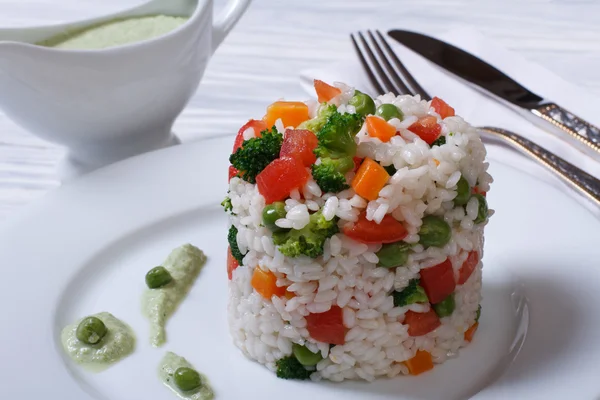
(445, 307)
(187, 379)
(435, 232)
(463, 192)
(389, 111)
(363, 103)
(158, 277)
(305, 356)
(272, 213)
(478, 313)
(393, 254)
(91, 330)
(482, 210)
(440, 141)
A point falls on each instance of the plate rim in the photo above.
(79, 186)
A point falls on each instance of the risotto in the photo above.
(356, 235)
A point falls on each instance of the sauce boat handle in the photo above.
(227, 19)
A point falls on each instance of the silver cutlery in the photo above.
(580, 133)
(388, 74)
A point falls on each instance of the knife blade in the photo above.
(485, 76)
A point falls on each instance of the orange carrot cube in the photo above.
(325, 92)
(421, 362)
(265, 284)
(370, 179)
(379, 128)
(292, 113)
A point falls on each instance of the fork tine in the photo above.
(366, 66)
(388, 85)
(400, 87)
(416, 88)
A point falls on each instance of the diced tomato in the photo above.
(468, 267)
(427, 129)
(420, 324)
(279, 178)
(390, 230)
(421, 362)
(232, 171)
(438, 281)
(239, 140)
(325, 92)
(256, 124)
(327, 327)
(476, 190)
(300, 143)
(471, 332)
(357, 162)
(232, 263)
(442, 108)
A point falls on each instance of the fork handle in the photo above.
(580, 180)
(566, 121)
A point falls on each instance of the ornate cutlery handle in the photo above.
(580, 180)
(570, 123)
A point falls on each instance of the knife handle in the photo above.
(576, 127)
(575, 177)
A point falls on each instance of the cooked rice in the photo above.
(377, 341)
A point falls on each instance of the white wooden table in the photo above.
(277, 39)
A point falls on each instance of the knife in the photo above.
(579, 132)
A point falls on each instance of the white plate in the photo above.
(86, 247)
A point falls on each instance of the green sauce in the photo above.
(118, 343)
(115, 33)
(169, 364)
(184, 265)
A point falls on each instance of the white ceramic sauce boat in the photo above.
(110, 104)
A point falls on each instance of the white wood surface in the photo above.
(276, 39)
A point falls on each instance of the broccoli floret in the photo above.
(478, 313)
(413, 293)
(307, 241)
(439, 141)
(315, 124)
(227, 204)
(319, 224)
(390, 169)
(256, 153)
(290, 368)
(336, 137)
(330, 174)
(235, 250)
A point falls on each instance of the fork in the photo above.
(388, 74)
